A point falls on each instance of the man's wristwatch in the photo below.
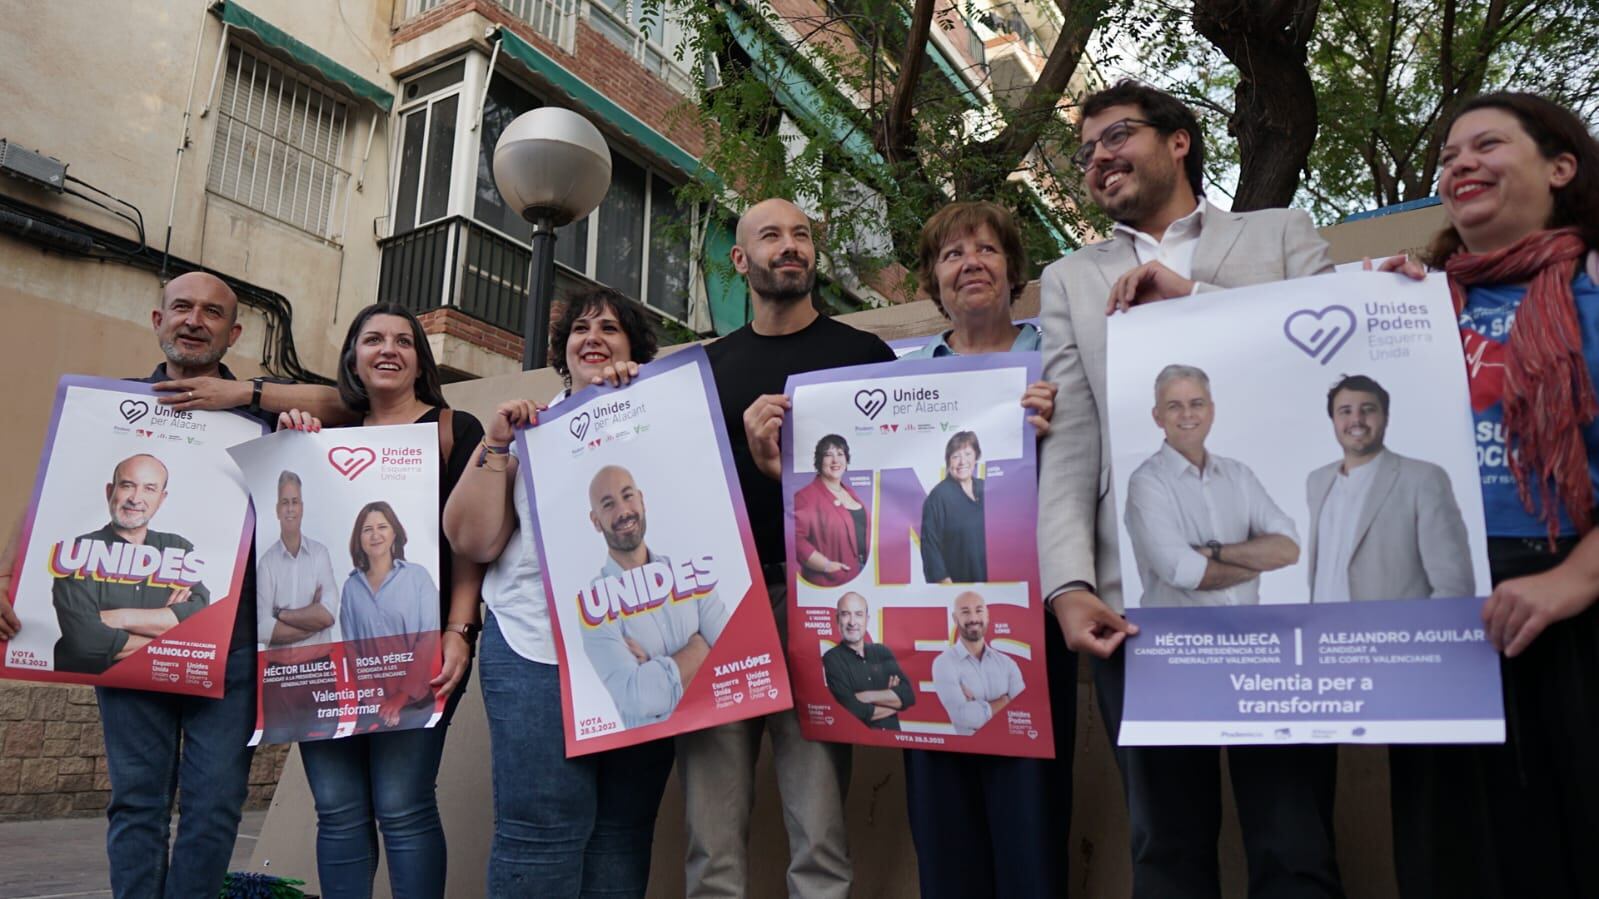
(1214, 549)
(467, 630)
(255, 395)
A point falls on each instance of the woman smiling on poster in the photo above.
(973, 266)
(563, 827)
(1519, 181)
(954, 538)
(831, 527)
(387, 376)
(385, 596)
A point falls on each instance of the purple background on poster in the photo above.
(1463, 684)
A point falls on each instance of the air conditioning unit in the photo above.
(33, 167)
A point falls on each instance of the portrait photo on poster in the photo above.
(347, 579)
(1347, 474)
(910, 499)
(648, 561)
(134, 545)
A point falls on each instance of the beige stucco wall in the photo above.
(104, 88)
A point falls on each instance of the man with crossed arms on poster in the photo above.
(974, 680)
(1202, 527)
(297, 598)
(1382, 525)
(645, 659)
(1142, 157)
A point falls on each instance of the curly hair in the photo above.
(630, 315)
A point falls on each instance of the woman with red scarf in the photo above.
(1519, 180)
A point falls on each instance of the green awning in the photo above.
(236, 16)
(798, 95)
(591, 100)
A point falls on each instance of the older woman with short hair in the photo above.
(987, 825)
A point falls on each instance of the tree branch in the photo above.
(898, 143)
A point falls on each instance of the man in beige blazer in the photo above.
(1382, 526)
(1142, 159)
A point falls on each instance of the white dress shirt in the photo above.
(1173, 507)
(1175, 249)
(289, 581)
(987, 679)
(1335, 532)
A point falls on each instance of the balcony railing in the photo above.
(457, 263)
(551, 18)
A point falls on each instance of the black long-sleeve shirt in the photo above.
(954, 539)
(849, 673)
(87, 645)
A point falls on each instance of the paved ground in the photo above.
(66, 858)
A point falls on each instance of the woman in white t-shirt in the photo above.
(562, 827)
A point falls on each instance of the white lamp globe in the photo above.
(552, 161)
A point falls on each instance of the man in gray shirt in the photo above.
(974, 680)
(645, 656)
(1203, 528)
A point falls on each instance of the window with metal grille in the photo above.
(279, 140)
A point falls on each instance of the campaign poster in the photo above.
(134, 546)
(347, 580)
(1301, 527)
(663, 624)
(910, 503)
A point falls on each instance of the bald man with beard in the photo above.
(775, 251)
(645, 658)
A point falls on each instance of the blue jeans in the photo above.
(160, 746)
(563, 827)
(389, 779)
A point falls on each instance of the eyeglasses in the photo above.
(1111, 139)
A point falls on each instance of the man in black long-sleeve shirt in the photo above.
(864, 677)
(774, 253)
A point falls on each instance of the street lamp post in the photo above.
(552, 166)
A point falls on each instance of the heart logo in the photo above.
(828, 720)
(206, 684)
(772, 693)
(1320, 333)
(579, 425)
(871, 402)
(738, 697)
(133, 410)
(173, 678)
(1032, 734)
(350, 461)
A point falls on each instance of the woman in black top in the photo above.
(387, 376)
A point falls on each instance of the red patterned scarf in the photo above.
(1548, 394)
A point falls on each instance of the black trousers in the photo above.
(1284, 796)
(1522, 818)
(989, 826)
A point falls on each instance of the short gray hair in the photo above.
(289, 477)
(1176, 372)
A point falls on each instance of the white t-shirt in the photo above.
(513, 586)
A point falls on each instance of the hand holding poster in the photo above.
(663, 624)
(135, 546)
(347, 580)
(909, 493)
(1260, 515)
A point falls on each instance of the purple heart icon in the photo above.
(579, 425)
(1320, 333)
(870, 402)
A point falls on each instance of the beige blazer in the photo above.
(1076, 513)
(1410, 539)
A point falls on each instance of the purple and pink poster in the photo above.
(914, 614)
(663, 624)
(135, 545)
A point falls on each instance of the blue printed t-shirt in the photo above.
(1484, 331)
